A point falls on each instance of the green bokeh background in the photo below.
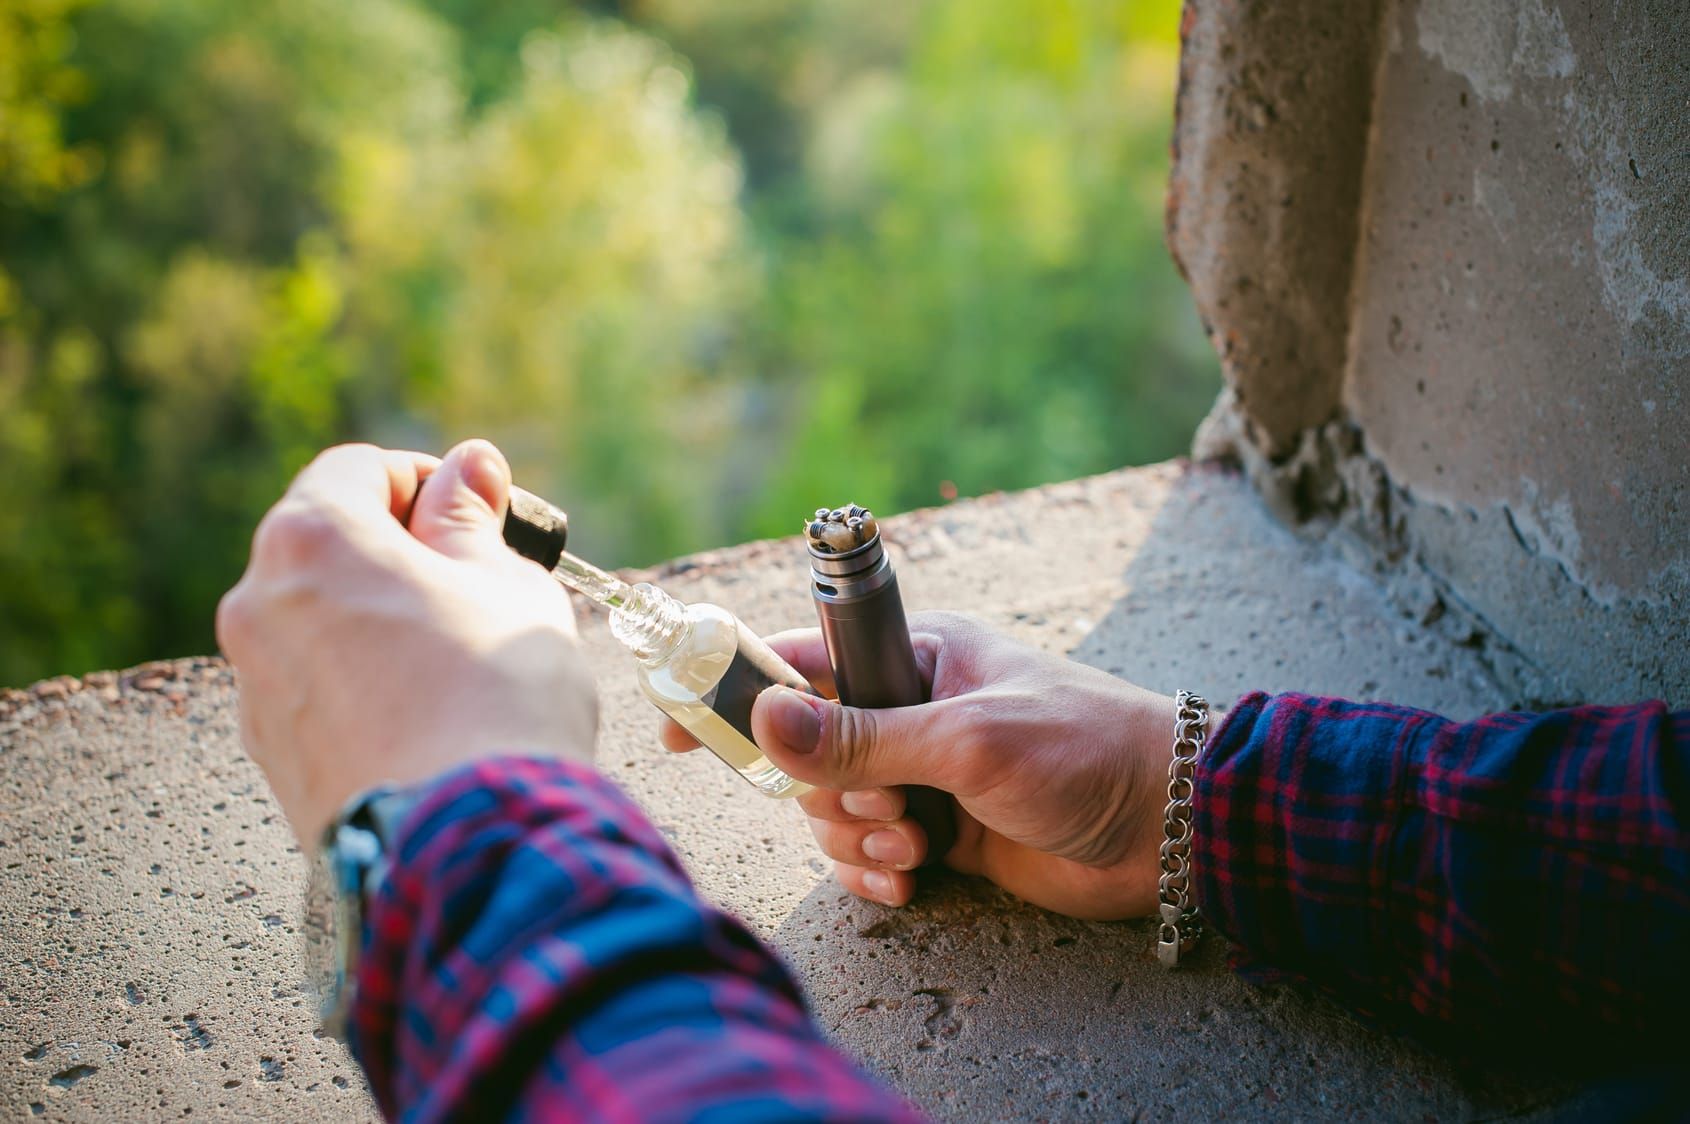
(699, 266)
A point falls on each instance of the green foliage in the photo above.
(981, 299)
(170, 347)
(37, 83)
(697, 267)
(575, 306)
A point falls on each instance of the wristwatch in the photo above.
(351, 862)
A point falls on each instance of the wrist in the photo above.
(354, 856)
(1150, 733)
(417, 765)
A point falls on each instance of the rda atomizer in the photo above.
(868, 639)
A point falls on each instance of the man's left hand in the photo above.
(369, 651)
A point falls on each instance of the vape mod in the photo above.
(868, 639)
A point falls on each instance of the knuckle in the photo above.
(819, 803)
(962, 642)
(836, 844)
(297, 534)
(950, 625)
(334, 454)
(854, 734)
(971, 729)
(334, 464)
(233, 619)
(970, 715)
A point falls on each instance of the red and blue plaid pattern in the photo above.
(1520, 874)
(538, 953)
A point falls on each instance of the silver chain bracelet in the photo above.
(1181, 927)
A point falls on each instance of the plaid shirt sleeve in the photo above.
(537, 952)
(1521, 872)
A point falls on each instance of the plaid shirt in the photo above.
(1517, 879)
(538, 952)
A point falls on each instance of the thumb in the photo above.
(831, 745)
(460, 511)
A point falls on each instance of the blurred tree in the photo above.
(231, 234)
(37, 82)
(769, 66)
(978, 297)
(576, 259)
(164, 364)
(489, 39)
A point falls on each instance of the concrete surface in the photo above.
(1270, 145)
(149, 890)
(1508, 327)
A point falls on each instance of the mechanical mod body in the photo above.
(868, 639)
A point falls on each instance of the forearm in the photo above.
(537, 950)
(1517, 872)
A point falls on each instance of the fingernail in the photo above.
(878, 883)
(795, 721)
(890, 848)
(869, 804)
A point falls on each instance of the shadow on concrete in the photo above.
(1221, 598)
(978, 1005)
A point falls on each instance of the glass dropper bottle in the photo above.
(699, 664)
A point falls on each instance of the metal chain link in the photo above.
(1181, 927)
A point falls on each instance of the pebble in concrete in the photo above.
(149, 888)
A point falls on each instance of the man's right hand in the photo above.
(1059, 771)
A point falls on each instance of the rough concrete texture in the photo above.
(1521, 336)
(1270, 138)
(149, 964)
(1512, 326)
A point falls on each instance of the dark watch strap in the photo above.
(381, 811)
(355, 852)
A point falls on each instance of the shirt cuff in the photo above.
(1295, 804)
(581, 844)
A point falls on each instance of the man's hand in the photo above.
(1059, 771)
(367, 652)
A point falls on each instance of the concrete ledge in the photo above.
(149, 889)
(1439, 249)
